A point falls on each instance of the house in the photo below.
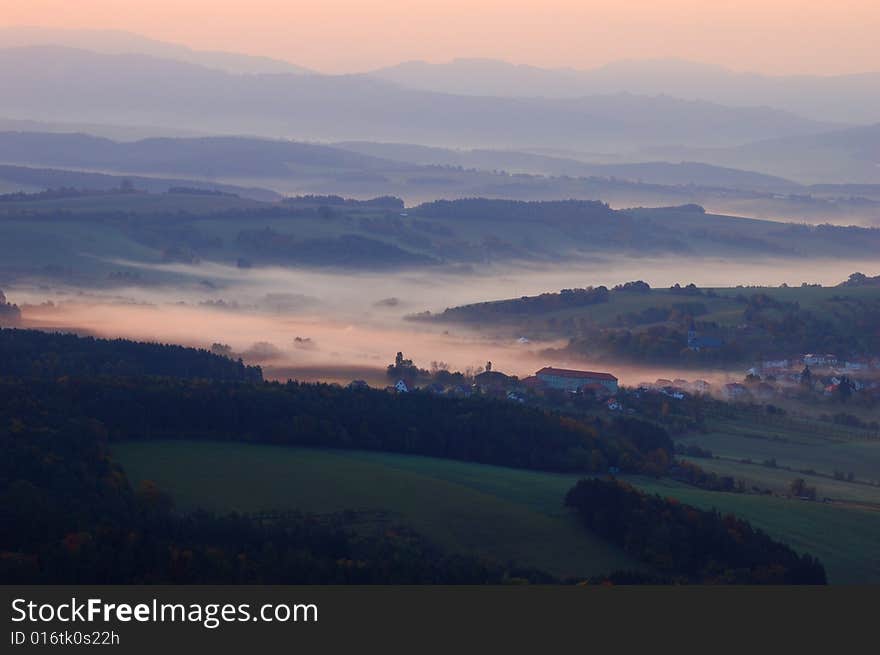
(492, 380)
(812, 359)
(531, 382)
(401, 387)
(573, 380)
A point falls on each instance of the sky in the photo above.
(338, 36)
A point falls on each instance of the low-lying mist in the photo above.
(333, 326)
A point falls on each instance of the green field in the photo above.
(779, 479)
(498, 512)
(796, 444)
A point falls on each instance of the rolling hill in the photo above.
(847, 156)
(264, 168)
(495, 511)
(85, 237)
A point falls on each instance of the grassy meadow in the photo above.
(493, 511)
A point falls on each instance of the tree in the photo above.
(807, 378)
(844, 389)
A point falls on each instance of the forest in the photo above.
(319, 415)
(686, 543)
(37, 354)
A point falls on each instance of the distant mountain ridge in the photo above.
(847, 98)
(851, 98)
(123, 42)
(63, 84)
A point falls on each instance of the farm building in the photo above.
(570, 380)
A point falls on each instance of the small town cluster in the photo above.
(821, 374)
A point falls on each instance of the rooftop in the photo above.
(570, 373)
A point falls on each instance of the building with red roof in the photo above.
(573, 380)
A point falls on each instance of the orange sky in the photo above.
(774, 36)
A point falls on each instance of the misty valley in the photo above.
(433, 324)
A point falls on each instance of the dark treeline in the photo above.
(588, 211)
(585, 222)
(380, 202)
(688, 544)
(318, 415)
(69, 516)
(527, 305)
(35, 354)
(57, 194)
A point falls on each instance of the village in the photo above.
(816, 376)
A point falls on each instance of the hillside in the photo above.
(29, 179)
(503, 514)
(533, 526)
(207, 157)
(92, 238)
(659, 173)
(842, 156)
(632, 323)
(264, 168)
